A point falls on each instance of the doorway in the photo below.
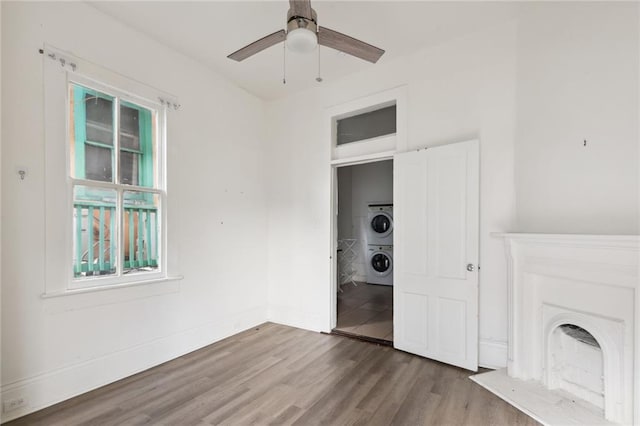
(364, 249)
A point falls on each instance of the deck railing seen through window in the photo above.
(95, 240)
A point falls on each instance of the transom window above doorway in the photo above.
(366, 125)
(368, 128)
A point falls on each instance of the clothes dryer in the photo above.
(380, 224)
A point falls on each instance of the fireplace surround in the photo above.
(589, 286)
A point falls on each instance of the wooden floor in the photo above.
(281, 375)
(366, 310)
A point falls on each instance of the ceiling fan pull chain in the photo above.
(318, 78)
(284, 62)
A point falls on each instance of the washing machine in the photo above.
(380, 265)
(380, 229)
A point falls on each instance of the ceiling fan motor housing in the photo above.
(302, 32)
(298, 22)
(291, 14)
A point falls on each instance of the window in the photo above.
(367, 125)
(117, 193)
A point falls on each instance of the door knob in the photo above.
(470, 267)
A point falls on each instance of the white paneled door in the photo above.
(436, 220)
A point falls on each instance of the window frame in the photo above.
(145, 151)
(374, 148)
(128, 98)
(360, 113)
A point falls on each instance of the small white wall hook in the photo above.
(62, 61)
(52, 56)
(22, 174)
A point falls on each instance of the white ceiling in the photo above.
(209, 31)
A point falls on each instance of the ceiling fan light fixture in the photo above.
(304, 36)
(302, 40)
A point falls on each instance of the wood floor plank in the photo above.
(278, 375)
(366, 310)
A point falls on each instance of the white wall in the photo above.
(531, 91)
(345, 213)
(578, 80)
(500, 85)
(58, 347)
(457, 91)
(0, 197)
(363, 184)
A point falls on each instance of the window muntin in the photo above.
(116, 229)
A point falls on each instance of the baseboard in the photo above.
(286, 315)
(493, 354)
(52, 387)
(548, 407)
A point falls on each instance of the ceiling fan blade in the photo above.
(350, 45)
(258, 46)
(301, 8)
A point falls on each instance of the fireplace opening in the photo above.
(577, 364)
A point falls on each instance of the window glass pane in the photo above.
(129, 128)
(137, 145)
(141, 232)
(371, 124)
(94, 232)
(90, 134)
(98, 163)
(99, 118)
(129, 162)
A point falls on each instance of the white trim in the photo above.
(492, 353)
(115, 186)
(80, 68)
(362, 152)
(298, 318)
(113, 286)
(599, 267)
(108, 87)
(362, 159)
(44, 390)
(550, 408)
(596, 240)
(394, 143)
(59, 185)
(333, 247)
(365, 147)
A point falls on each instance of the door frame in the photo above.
(361, 152)
(333, 238)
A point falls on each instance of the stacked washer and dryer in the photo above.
(380, 244)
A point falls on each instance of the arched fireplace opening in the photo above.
(577, 364)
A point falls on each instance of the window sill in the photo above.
(104, 288)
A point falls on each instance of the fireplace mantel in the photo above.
(588, 280)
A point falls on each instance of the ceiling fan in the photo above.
(303, 35)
